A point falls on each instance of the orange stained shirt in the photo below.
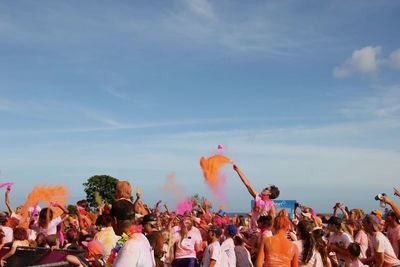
(279, 252)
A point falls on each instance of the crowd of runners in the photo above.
(128, 233)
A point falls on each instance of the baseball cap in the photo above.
(378, 213)
(231, 229)
(149, 219)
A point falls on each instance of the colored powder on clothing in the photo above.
(212, 172)
(183, 206)
(47, 194)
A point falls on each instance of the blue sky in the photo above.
(302, 94)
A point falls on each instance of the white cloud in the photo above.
(366, 60)
(394, 59)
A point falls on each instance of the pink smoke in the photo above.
(183, 206)
(8, 185)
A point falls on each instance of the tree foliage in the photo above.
(104, 185)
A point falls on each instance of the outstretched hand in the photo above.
(235, 167)
(396, 192)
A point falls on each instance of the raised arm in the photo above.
(8, 204)
(167, 209)
(64, 209)
(342, 208)
(245, 181)
(137, 204)
(394, 207)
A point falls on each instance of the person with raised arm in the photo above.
(342, 208)
(263, 204)
(393, 205)
(382, 251)
(13, 214)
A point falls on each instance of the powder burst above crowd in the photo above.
(128, 232)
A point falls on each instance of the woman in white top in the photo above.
(46, 223)
(306, 244)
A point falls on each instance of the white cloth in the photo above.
(393, 234)
(51, 227)
(8, 234)
(108, 239)
(341, 240)
(243, 258)
(228, 257)
(136, 252)
(362, 239)
(315, 260)
(212, 252)
(357, 263)
(186, 248)
(381, 244)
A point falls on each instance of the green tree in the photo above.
(104, 185)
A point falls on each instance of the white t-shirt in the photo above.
(260, 208)
(341, 240)
(186, 248)
(108, 239)
(136, 252)
(393, 234)
(228, 257)
(51, 227)
(8, 234)
(381, 244)
(362, 239)
(243, 258)
(315, 261)
(357, 263)
(212, 252)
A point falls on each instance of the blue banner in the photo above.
(281, 204)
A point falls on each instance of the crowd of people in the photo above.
(128, 233)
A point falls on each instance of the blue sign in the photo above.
(282, 204)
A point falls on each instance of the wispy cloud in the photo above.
(384, 104)
(394, 59)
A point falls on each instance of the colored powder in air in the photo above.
(211, 170)
(172, 188)
(8, 185)
(47, 194)
(183, 206)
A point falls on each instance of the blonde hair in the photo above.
(123, 190)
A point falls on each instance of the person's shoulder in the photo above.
(216, 245)
(135, 242)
